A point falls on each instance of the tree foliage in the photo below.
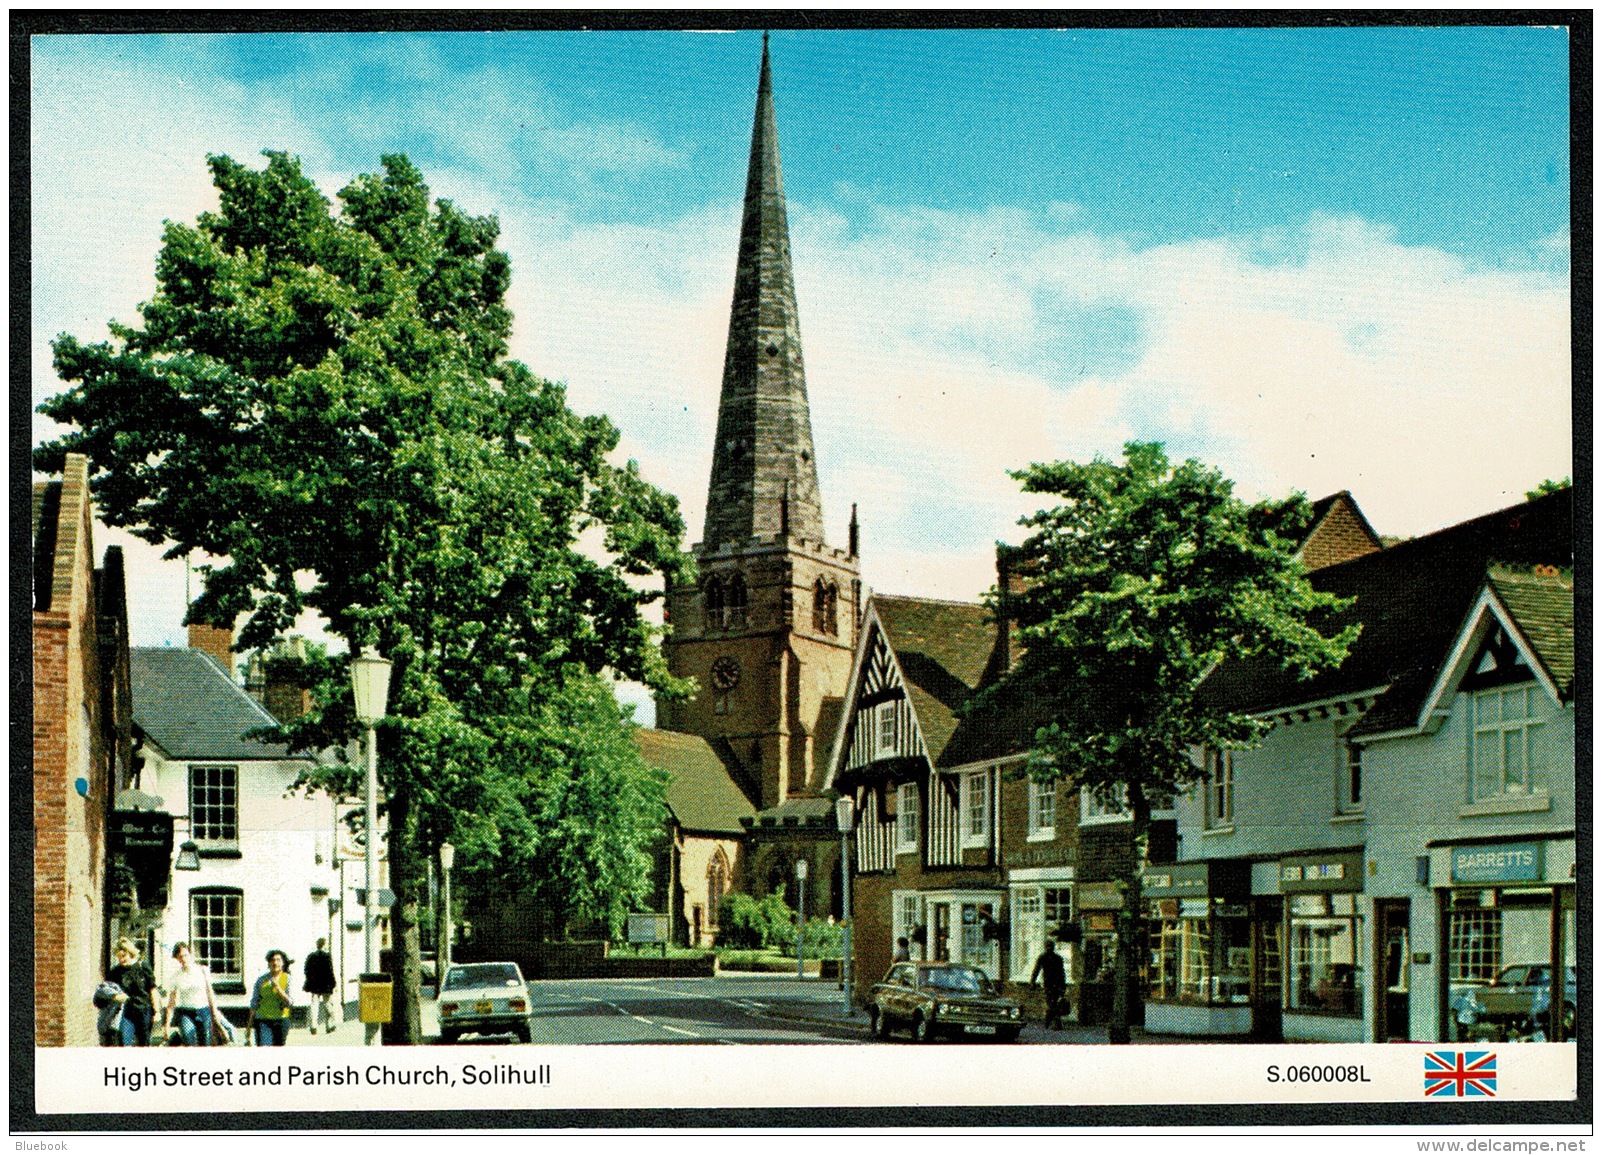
(1140, 580)
(324, 401)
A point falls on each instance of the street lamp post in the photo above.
(370, 680)
(843, 808)
(800, 918)
(447, 858)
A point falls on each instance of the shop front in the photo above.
(1507, 914)
(1324, 977)
(1198, 974)
(952, 926)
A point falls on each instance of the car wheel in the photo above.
(524, 1032)
(922, 1030)
(1007, 1035)
(449, 1035)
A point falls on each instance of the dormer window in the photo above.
(1507, 754)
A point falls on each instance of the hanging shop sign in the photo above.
(1513, 862)
(1099, 896)
(141, 830)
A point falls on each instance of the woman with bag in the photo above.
(269, 1002)
(190, 1000)
(138, 997)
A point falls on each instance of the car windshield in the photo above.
(482, 975)
(957, 980)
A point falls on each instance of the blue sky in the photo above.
(1320, 259)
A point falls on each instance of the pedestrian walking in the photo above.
(138, 996)
(270, 1005)
(321, 985)
(190, 1002)
(1049, 968)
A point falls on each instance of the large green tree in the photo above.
(324, 400)
(1140, 579)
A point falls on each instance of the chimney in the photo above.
(216, 641)
(283, 695)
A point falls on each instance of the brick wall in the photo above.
(1340, 536)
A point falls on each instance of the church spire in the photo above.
(764, 479)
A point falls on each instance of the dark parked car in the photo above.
(1515, 1005)
(484, 999)
(932, 999)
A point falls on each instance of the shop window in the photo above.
(975, 809)
(1325, 974)
(907, 818)
(217, 934)
(1507, 756)
(1038, 912)
(1475, 939)
(1220, 788)
(214, 805)
(1042, 809)
(907, 922)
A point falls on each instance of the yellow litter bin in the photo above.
(377, 996)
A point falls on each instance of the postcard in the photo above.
(1022, 575)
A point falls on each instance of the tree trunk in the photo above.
(407, 879)
(1126, 963)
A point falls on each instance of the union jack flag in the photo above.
(1459, 1074)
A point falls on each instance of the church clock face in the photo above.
(726, 673)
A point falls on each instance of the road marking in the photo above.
(642, 1018)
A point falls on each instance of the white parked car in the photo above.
(484, 999)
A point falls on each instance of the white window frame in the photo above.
(906, 915)
(230, 912)
(228, 804)
(1095, 813)
(1521, 730)
(907, 808)
(886, 729)
(1219, 790)
(975, 797)
(1348, 768)
(1042, 811)
(1030, 916)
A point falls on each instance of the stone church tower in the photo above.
(769, 631)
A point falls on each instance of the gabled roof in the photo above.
(188, 706)
(701, 791)
(945, 651)
(1541, 605)
(1411, 599)
(1339, 532)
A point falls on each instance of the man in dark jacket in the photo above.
(1049, 967)
(321, 985)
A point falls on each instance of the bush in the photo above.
(753, 923)
(823, 938)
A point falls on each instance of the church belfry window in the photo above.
(735, 604)
(826, 608)
(713, 597)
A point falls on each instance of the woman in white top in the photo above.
(190, 1001)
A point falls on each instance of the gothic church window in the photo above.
(713, 598)
(735, 603)
(826, 608)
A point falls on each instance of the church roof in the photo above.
(701, 791)
(764, 478)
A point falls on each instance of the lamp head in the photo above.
(369, 677)
(447, 855)
(843, 812)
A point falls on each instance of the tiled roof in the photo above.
(189, 707)
(945, 651)
(701, 792)
(1411, 600)
(1542, 606)
(806, 810)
